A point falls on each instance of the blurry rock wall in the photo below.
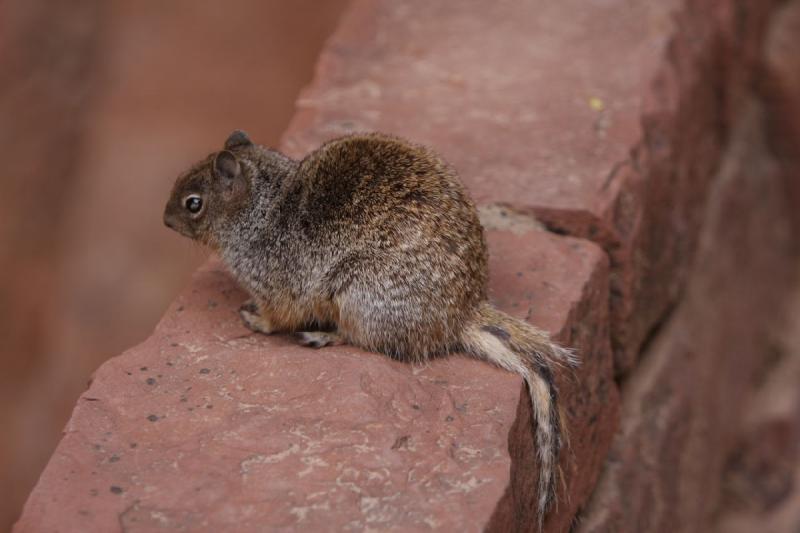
(710, 426)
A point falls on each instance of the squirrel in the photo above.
(373, 241)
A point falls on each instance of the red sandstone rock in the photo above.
(208, 427)
(762, 478)
(685, 404)
(780, 87)
(240, 431)
(682, 408)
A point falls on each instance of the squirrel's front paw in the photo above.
(253, 320)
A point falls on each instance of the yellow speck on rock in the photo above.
(596, 104)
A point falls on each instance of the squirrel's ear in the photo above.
(226, 165)
(237, 138)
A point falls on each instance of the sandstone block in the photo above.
(207, 426)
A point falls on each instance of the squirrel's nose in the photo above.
(168, 221)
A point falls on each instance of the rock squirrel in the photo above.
(369, 240)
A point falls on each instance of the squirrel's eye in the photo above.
(194, 203)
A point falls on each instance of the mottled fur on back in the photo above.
(373, 240)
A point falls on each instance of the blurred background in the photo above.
(102, 104)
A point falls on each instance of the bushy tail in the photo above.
(521, 348)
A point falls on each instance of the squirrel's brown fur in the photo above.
(372, 241)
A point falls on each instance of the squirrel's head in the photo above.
(212, 192)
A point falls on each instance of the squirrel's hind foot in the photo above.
(318, 339)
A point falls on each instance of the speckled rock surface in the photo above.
(208, 427)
